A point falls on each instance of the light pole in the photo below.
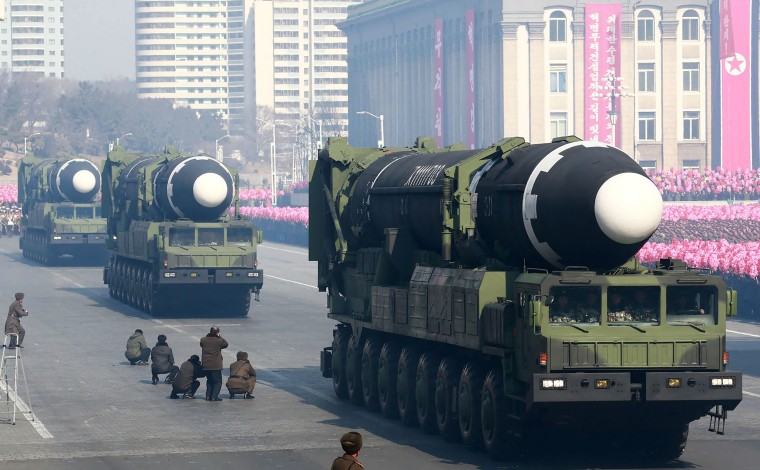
(318, 122)
(119, 138)
(219, 157)
(381, 118)
(29, 137)
(616, 90)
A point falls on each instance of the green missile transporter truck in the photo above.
(175, 244)
(492, 296)
(61, 215)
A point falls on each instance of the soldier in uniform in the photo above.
(588, 311)
(137, 351)
(211, 359)
(13, 322)
(616, 308)
(187, 382)
(351, 442)
(642, 309)
(560, 311)
(242, 377)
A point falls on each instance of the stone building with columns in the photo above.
(475, 71)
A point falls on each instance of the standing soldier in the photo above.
(351, 442)
(212, 345)
(4, 222)
(13, 323)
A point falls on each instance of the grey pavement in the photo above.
(104, 413)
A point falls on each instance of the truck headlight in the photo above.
(170, 274)
(674, 382)
(602, 383)
(56, 237)
(722, 382)
(228, 274)
(553, 384)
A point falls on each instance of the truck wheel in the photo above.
(493, 414)
(427, 369)
(387, 375)
(668, 443)
(141, 292)
(446, 382)
(369, 365)
(469, 405)
(339, 345)
(245, 303)
(354, 370)
(406, 386)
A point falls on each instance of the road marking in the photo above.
(742, 333)
(205, 325)
(750, 394)
(288, 280)
(65, 278)
(28, 413)
(283, 249)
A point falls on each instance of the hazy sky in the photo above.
(99, 39)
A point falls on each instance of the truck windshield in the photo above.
(84, 212)
(692, 305)
(64, 212)
(240, 236)
(181, 237)
(575, 305)
(626, 305)
(210, 237)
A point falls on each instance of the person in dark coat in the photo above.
(13, 322)
(242, 377)
(211, 358)
(186, 381)
(351, 442)
(163, 361)
(137, 351)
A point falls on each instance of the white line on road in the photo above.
(288, 280)
(28, 414)
(65, 278)
(743, 333)
(283, 249)
(751, 394)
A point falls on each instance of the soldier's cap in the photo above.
(19, 295)
(242, 356)
(351, 442)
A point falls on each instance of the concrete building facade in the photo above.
(530, 75)
(31, 37)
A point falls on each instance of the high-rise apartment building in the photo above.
(300, 61)
(31, 37)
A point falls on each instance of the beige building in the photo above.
(31, 37)
(530, 66)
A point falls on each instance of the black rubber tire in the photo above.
(340, 342)
(369, 366)
(406, 383)
(427, 369)
(666, 444)
(493, 419)
(354, 370)
(446, 382)
(469, 404)
(387, 379)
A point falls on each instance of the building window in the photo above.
(691, 125)
(645, 26)
(557, 27)
(558, 124)
(646, 126)
(558, 78)
(648, 164)
(691, 76)
(690, 26)
(646, 76)
(688, 164)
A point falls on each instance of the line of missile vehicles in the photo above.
(446, 270)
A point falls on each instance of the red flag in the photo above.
(726, 30)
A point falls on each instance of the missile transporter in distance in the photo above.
(61, 215)
(174, 244)
(491, 295)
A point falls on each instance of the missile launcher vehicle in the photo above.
(175, 244)
(492, 296)
(60, 213)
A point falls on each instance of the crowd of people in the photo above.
(707, 184)
(184, 379)
(10, 220)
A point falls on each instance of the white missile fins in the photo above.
(628, 208)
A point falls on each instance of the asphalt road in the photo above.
(95, 411)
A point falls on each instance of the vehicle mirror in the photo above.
(732, 303)
(535, 312)
(259, 237)
(549, 300)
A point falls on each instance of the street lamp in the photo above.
(119, 138)
(219, 157)
(318, 122)
(29, 137)
(381, 142)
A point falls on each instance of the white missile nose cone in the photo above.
(628, 208)
(84, 181)
(209, 190)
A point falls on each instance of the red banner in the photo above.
(469, 29)
(736, 80)
(438, 82)
(602, 68)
